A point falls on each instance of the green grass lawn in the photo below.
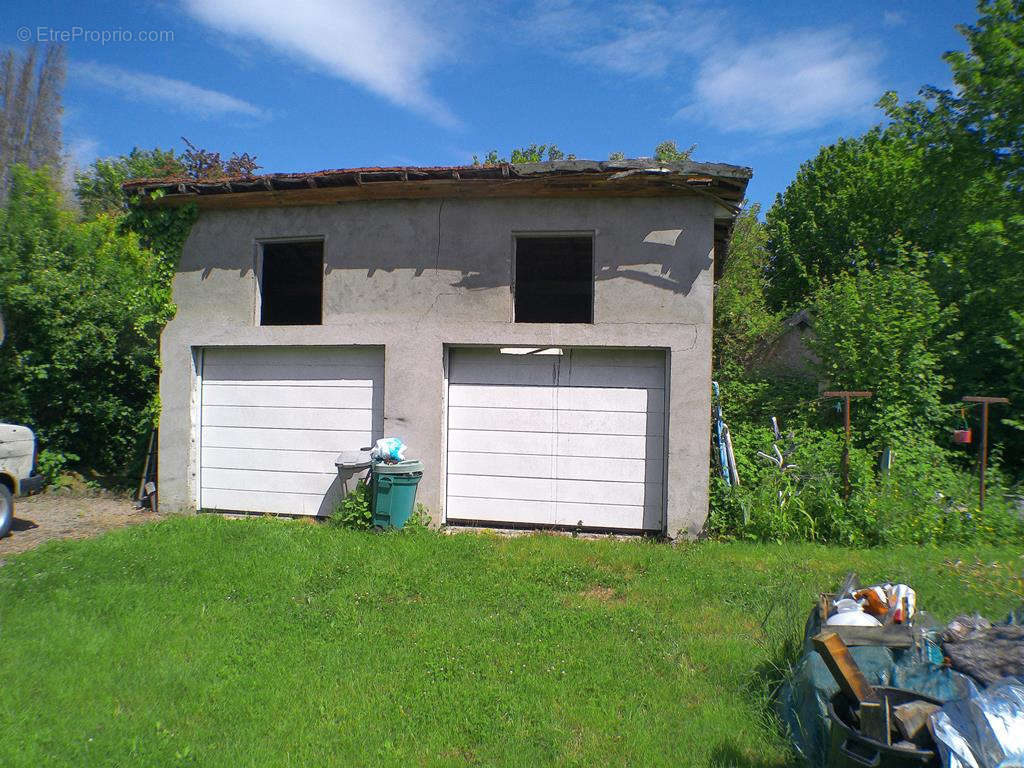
(203, 641)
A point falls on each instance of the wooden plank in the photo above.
(911, 718)
(874, 720)
(889, 635)
(840, 663)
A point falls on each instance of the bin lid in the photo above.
(353, 460)
(407, 467)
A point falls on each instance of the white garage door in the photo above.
(274, 419)
(557, 439)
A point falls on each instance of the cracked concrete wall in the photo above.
(418, 275)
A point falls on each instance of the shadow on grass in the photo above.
(730, 755)
(783, 646)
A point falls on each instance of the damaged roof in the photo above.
(643, 177)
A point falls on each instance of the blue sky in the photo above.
(312, 84)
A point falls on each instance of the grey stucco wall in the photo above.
(415, 276)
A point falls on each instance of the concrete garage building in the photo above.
(538, 334)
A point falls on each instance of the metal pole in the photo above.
(984, 454)
(845, 396)
(985, 402)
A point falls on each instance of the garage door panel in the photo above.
(609, 446)
(620, 470)
(609, 516)
(594, 439)
(502, 419)
(625, 376)
(269, 502)
(506, 375)
(500, 510)
(484, 395)
(292, 396)
(610, 399)
(274, 417)
(495, 487)
(286, 439)
(605, 492)
(261, 480)
(611, 423)
(300, 375)
(509, 464)
(489, 441)
(583, 357)
(339, 357)
(269, 460)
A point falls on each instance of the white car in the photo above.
(17, 458)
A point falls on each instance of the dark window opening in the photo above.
(292, 285)
(554, 280)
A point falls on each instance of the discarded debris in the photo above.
(893, 687)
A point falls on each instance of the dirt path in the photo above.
(66, 516)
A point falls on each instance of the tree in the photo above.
(84, 304)
(98, 188)
(886, 331)
(30, 112)
(743, 321)
(943, 179)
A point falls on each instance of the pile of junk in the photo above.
(881, 684)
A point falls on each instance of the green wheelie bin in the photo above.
(394, 492)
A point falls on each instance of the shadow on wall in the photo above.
(430, 244)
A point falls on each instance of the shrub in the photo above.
(84, 304)
(354, 511)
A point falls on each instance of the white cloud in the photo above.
(157, 89)
(385, 46)
(894, 19)
(794, 82)
(640, 38)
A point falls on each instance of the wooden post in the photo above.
(985, 402)
(845, 396)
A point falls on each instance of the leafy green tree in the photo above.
(98, 188)
(886, 331)
(743, 321)
(84, 304)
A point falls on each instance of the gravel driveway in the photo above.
(67, 516)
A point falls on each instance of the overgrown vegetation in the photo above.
(83, 306)
(204, 641)
(904, 245)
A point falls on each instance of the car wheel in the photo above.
(6, 511)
